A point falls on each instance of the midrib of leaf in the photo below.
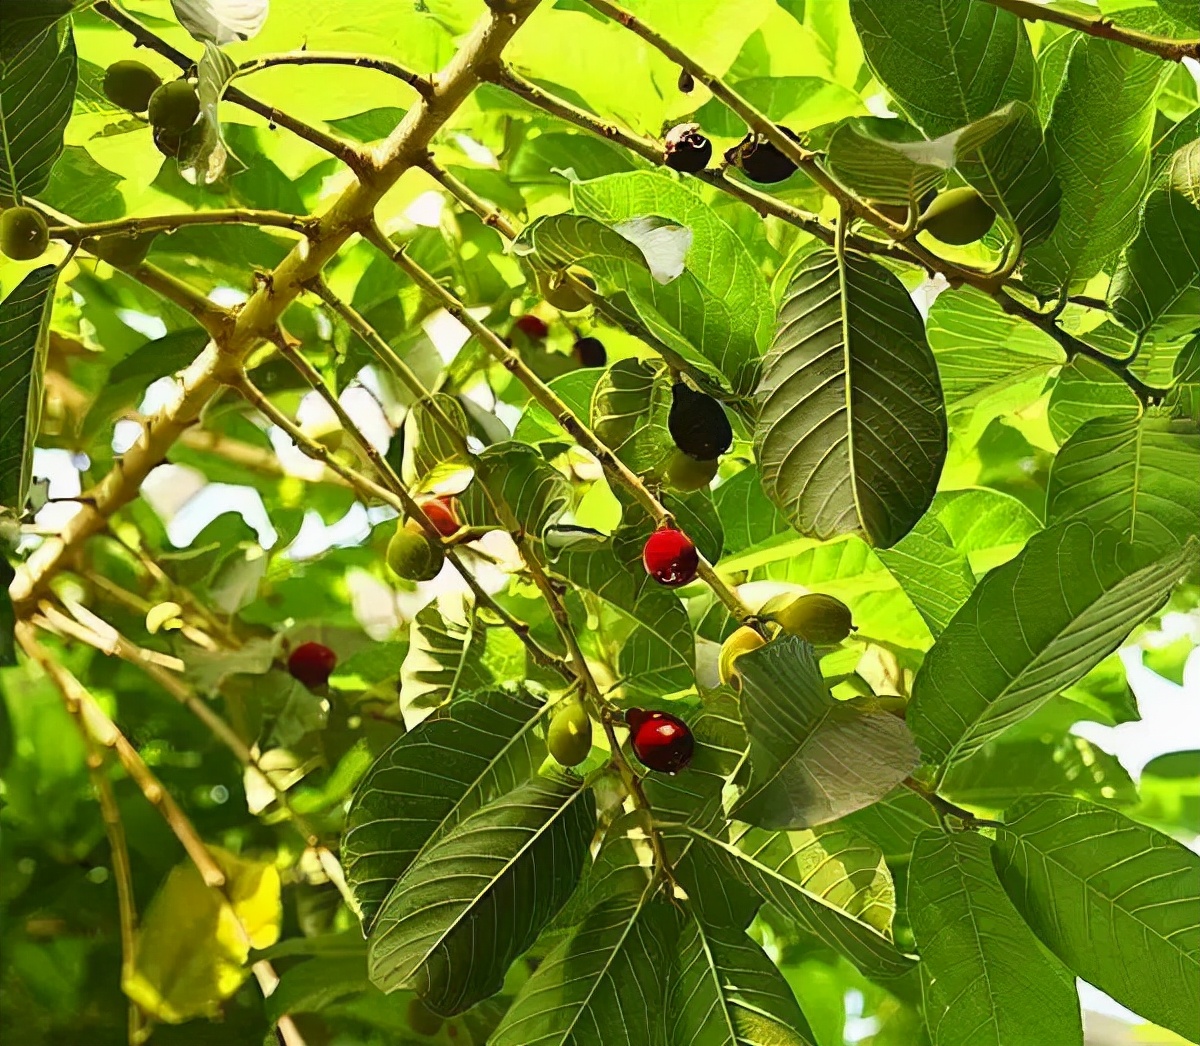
(488, 768)
(500, 874)
(8, 160)
(718, 986)
(844, 312)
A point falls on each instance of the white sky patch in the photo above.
(426, 209)
(228, 297)
(142, 322)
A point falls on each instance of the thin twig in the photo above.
(78, 232)
(422, 84)
(945, 808)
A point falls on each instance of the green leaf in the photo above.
(478, 897)
(24, 322)
(717, 257)
(629, 410)
(1021, 638)
(813, 759)
(429, 450)
(1099, 139)
(981, 348)
(1156, 288)
(893, 824)
(933, 573)
(728, 993)
(605, 985)
(445, 642)
(987, 526)
(204, 157)
(798, 102)
(773, 878)
(748, 516)
(1140, 476)
(1118, 902)
(1086, 389)
(683, 313)
(985, 978)
(519, 477)
(951, 62)
(438, 774)
(851, 433)
(889, 162)
(37, 92)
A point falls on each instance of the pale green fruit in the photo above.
(569, 737)
(821, 619)
(686, 473)
(174, 107)
(412, 556)
(23, 234)
(958, 217)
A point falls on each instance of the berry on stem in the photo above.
(23, 233)
(412, 556)
(312, 664)
(569, 736)
(687, 150)
(174, 107)
(660, 741)
(130, 84)
(590, 352)
(684, 473)
(670, 557)
(821, 619)
(698, 424)
(531, 326)
(443, 514)
(958, 217)
(761, 161)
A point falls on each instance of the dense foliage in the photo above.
(542, 523)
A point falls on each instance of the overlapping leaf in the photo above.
(1086, 389)
(985, 978)
(1118, 902)
(432, 778)
(933, 573)
(478, 897)
(429, 450)
(1022, 636)
(813, 759)
(851, 433)
(1139, 475)
(518, 477)
(443, 659)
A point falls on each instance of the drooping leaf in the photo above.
(1099, 141)
(37, 92)
(221, 21)
(438, 774)
(1140, 476)
(445, 643)
(1021, 638)
(851, 433)
(870, 157)
(429, 450)
(813, 759)
(476, 898)
(518, 477)
(24, 321)
(985, 978)
(950, 62)
(1116, 901)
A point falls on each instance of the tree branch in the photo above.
(259, 317)
(422, 84)
(78, 232)
(343, 150)
(1164, 47)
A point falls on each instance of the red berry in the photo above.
(531, 326)
(670, 557)
(443, 514)
(312, 664)
(661, 741)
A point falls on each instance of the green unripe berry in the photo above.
(174, 107)
(821, 619)
(23, 234)
(740, 642)
(958, 217)
(685, 473)
(412, 556)
(130, 84)
(121, 251)
(561, 292)
(569, 737)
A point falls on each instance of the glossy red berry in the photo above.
(312, 664)
(443, 514)
(590, 352)
(661, 741)
(670, 557)
(531, 326)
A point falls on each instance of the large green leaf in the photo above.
(851, 433)
(37, 93)
(1022, 637)
(429, 450)
(716, 257)
(1140, 476)
(1086, 389)
(950, 62)
(933, 573)
(24, 319)
(1118, 902)
(478, 897)
(773, 877)
(1156, 288)
(1099, 140)
(519, 478)
(748, 516)
(986, 980)
(605, 985)
(445, 642)
(629, 409)
(877, 158)
(813, 759)
(979, 347)
(429, 780)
